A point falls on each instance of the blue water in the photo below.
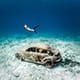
(59, 26)
(60, 17)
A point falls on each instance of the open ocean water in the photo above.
(59, 26)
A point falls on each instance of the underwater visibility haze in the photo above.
(59, 26)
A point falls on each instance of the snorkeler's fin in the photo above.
(35, 27)
(35, 31)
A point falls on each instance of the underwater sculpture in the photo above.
(40, 53)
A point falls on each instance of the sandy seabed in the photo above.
(13, 69)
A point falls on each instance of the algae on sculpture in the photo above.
(40, 53)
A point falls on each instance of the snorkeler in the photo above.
(30, 29)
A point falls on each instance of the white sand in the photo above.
(13, 69)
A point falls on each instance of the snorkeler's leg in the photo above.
(36, 26)
(35, 31)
